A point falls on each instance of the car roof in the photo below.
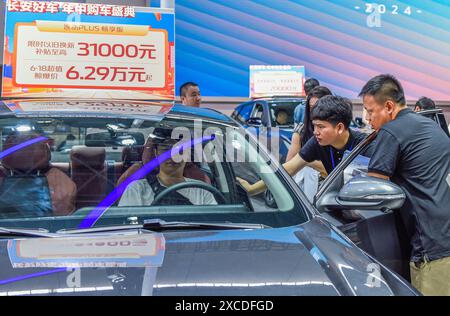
(280, 99)
(206, 113)
(273, 99)
(66, 107)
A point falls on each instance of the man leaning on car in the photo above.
(414, 152)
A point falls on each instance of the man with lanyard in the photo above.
(331, 118)
(414, 152)
(143, 192)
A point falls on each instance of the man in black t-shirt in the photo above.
(331, 118)
(414, 152)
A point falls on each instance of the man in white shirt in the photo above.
(142, 192)
(190, 94)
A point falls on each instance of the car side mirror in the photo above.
(256, 121)
(359, 122)
(366, 193)
(370, 193)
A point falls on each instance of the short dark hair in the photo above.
(333, 109)
(186, 86)
(310, 84)
(425, 103)
(384, 87)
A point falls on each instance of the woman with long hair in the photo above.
(307, 178)
(304, 131)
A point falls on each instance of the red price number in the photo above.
(113, 74)
(142, 51)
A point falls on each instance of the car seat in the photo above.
(29, 185)
(89, 172)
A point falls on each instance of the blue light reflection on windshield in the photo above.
(93, 217)
(103, 206)
(13, 149)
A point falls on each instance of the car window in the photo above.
(258, 111)
(442, 122)
(63, 168)
(358, 167)
(243, 113)
(282, 113)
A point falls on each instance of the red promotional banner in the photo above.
(63, 58)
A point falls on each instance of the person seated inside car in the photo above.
(282, 117)
(143, 192)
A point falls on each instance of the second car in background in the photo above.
(273, 117)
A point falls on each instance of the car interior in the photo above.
(81, 162)
(286, 107)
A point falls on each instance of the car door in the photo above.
(378, 232)
(438, 116)
(381, 234)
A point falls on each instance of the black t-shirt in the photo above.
(415, 153)
(329, 155)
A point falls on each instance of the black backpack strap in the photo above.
(174, 198)
(110, 175)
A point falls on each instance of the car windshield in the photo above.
(61, 172)
(282, 113)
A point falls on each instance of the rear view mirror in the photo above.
(117, 139)
(256, 121)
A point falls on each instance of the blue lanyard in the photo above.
(332, 156)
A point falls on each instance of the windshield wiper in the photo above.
(157, 225)
(160, 225)
(104, 229)
(17, 232)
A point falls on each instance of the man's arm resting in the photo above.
(377, 175)
(292, 167)
(318, 166)
(253, 189)
(295, 146)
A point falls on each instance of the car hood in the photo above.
(311, 259)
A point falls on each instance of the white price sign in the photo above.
(276, 80)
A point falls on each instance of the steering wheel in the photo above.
(220, 198)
